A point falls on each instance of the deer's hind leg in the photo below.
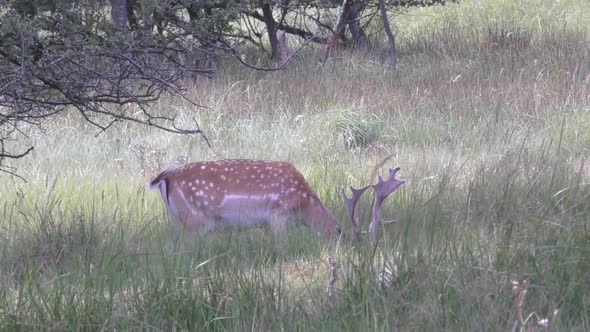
(187, 229)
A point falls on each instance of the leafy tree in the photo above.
(86, 56)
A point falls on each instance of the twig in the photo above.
(333, 266)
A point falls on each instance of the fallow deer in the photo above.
(205, 196)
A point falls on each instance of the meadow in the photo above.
(487, 114)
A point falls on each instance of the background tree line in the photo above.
(88, 55)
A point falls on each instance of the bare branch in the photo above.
(307, 35)
(12, 173)
(14, 156)
(339, 29)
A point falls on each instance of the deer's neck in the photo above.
(319, 218)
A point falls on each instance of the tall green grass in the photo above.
(488, 115)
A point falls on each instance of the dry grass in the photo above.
(488, 115)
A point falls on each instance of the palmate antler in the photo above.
(351, 205)
(382, 189)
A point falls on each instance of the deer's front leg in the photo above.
(278, 222)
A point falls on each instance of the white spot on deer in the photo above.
(186, 202)
(223, 176)
(200, 193)
(203, 167)
(290, 190)
(304, 194)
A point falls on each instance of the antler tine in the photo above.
(351, 206)
(388, 222)
(392, 173)
(382, 189)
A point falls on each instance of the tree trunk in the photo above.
(271, 27)
(339, 29)
(284, 50)
(132, 6)
(193, 12)
(119, 13)
(390, 36)
(361, 41)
